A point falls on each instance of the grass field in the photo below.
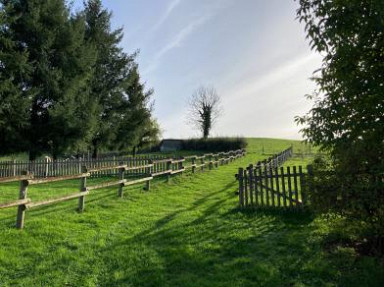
(185, 233)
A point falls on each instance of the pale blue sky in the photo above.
(253, 52)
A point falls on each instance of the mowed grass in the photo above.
(188, 232)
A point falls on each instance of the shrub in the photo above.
(215, 144)
(351, 192)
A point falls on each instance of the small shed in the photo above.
(171, 145)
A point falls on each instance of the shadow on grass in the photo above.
(264, 247)
(236, 248)
(287, 216)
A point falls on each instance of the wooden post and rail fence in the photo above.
(149, 169)
(269, 184)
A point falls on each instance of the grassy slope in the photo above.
(186, 233)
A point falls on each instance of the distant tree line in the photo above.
(66, 85)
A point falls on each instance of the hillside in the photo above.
(185, 233)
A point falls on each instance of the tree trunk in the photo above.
(134, 151)
(95, 152)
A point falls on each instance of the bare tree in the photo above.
(204, 109)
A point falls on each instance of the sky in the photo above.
(253, 52)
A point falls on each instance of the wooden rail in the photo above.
(146, 167)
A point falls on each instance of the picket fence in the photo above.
(48, 168)
(269, 184)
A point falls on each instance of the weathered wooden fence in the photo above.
(268, 184)
(262, 186)
(47, 168)
(146, 170)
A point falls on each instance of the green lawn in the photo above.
(185, 233)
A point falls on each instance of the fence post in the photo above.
(251, 182)
(80, 164)
(169, 168)
(14, 167)
(210, 164)
(46, 166)
(121, 177)
(245, 178)
(216, 157)
(193, 164)
(180, 165)
(149, 173)
(83, 187)
(21, 208)
(241, 187)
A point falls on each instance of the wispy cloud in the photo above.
(172, 6)
(253, 86)
(266, 106)
(176, 42)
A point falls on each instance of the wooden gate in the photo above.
(264, 186)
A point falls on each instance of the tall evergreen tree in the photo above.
(136, 123)
(14, 99)
(124, 110)
(111, 70)
(61, 61)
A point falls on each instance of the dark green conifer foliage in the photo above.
(124, 115)
(60, 117)
(111, 69)
(14, 98)
(136, 125)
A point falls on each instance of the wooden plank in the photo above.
(15, 178)
(272, 186)
(140, 168)
(15, 203)
(266, 184)
(256, 186)
(190, 157)
(296, 191)
(289, 187)
(241, 187)
(59, 178)
(251, 185)
(178, 160)
(103, 168)
(283, 187)
(275, 192)
(161, 173)
(277, 186)
(177, 171)
(56, 200)
(246, 188)
(261, 187)
(137, 181)
(200, 157)
(106, 184)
